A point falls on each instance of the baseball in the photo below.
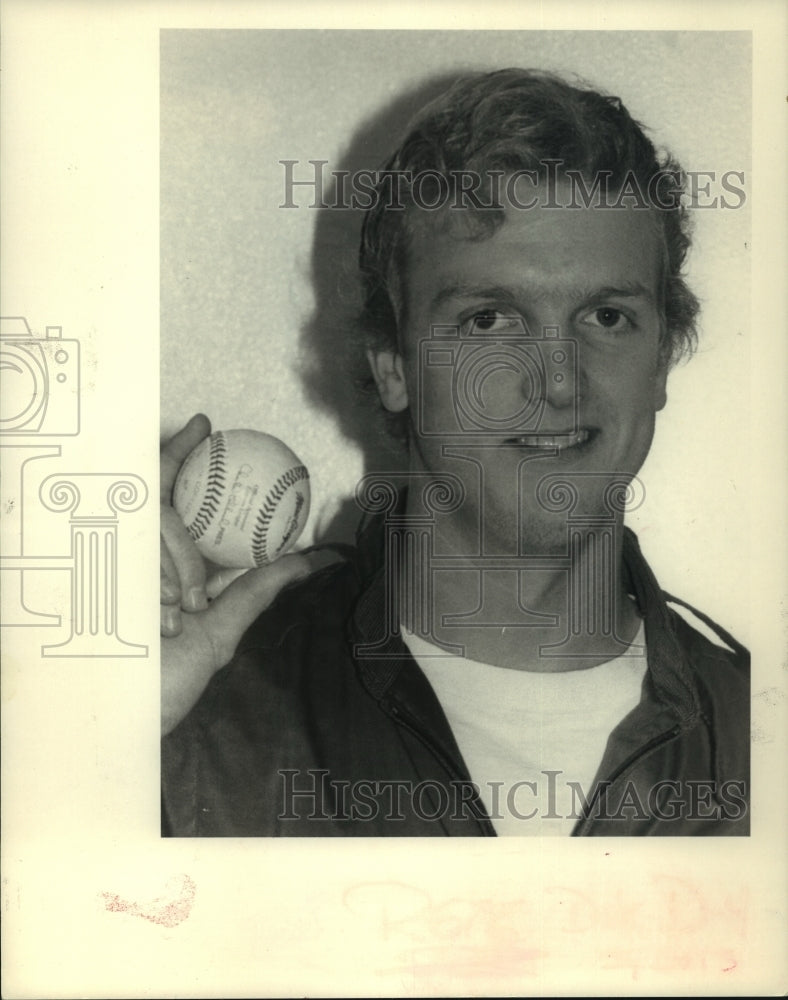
(243, 496)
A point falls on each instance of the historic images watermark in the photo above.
(308, 184)
(313, 795)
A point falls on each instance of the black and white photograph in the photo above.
(451, 346)
(488, 651)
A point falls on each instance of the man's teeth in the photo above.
(559, 441)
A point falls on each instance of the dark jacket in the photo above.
(297, 736)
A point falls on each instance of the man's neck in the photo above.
(549, 613)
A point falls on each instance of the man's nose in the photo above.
(550, 385)
(551, 375)
(560, 376)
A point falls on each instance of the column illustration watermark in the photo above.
(40, 383)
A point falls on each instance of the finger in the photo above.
(319, 557)
(170, 590)
(177, 448)
(171, 624)
(220, 581)
(188, 564)
(231, 614)
(316, 559)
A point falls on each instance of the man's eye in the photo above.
(608, 318)
(492, 321)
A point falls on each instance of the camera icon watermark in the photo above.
(40, 380)
(503, 382)
(39, 390)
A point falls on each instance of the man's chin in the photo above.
(544, 536)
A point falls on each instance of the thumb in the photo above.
(174, 452)
(237, 606)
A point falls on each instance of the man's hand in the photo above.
(183, 578)
(202, 620)
(207, 639)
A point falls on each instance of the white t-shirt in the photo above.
(516, 728)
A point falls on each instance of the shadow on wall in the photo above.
(333, 362)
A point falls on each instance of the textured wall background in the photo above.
(255, 299)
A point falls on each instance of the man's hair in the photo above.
(509, 120)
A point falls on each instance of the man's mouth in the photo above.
(561, 442)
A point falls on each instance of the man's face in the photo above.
(591, 276)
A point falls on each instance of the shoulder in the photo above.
(721, 675)
(721, 661)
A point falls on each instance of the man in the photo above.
(495, 657)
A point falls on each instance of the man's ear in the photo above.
(661, 386)
(389, 374)
(664, 365)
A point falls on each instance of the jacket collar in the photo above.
(669, 671)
